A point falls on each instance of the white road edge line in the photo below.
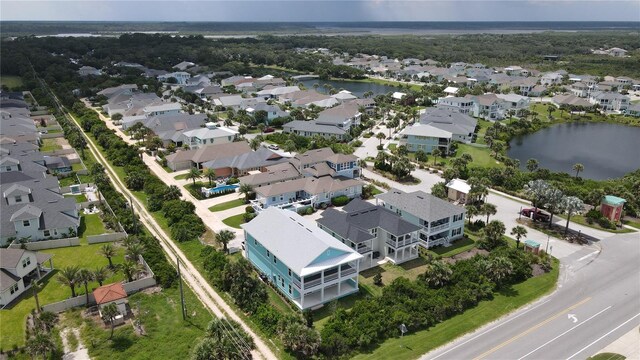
(588, 255)
(603, 336)
(564, 333)
(489, 330)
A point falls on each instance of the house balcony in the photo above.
(320, 296)
(438, 227)
(293, 204)
(364, 249)
(402, 243)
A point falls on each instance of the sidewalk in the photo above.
(627, 345)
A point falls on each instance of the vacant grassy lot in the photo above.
(10, 81)
(411, 346)
(167, 335)
(12, 321)
(227, 205)
(50, 145)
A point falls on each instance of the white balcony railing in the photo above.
(438, 227)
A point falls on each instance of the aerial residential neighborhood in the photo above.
(388, 186)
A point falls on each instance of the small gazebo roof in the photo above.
(613, 200)
(531, 243)
(108, 293)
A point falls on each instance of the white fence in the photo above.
(108, 237)
(130, 287)
(47, 244)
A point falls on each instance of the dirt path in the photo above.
(81, 352)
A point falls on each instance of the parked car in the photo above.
(536, 214)
(269, 130)
(273, 147)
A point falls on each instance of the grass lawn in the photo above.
(79, 198)
(234, 221)
(459, 246)
(167, 335)
(481, 156)
(580, 219)
(227, 205)
(67, 181)
(632, 223)
(77, 167)
(13, 320)
(10, 81)
(180, 177)
(607, 356)
(90, 225)
(413, 345)
(50, 145)
(484, 125)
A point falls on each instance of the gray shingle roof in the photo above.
(312, 126)
(420, 204)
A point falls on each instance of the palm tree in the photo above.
(261, 127)
(472, 211)
(134, 251)
(437, 274)
(571, 205)
(40, 344)
(532, 165)
(380, 136)
(254, 144)
(108, 251)
(578, 168)
(488, 209)
(518, 232)
(36, 286)
(130, 269)
(68, 276)
(209, 174)
(436, 153)
(194, 174)
(84, 276)
(109, 313)
(101, 274)
(223, 237)
(245, 189)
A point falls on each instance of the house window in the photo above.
(289, 272)
(47, 233)
(26, 223)
(275, 260)
(14, 289)
(282, 282)
(18, 198)
(255, 242)
(268, 253)
(290, 291)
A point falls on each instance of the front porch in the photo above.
(318, 297)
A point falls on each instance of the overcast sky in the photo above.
(308, 10)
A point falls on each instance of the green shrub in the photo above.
(249, 209)
(309, 211)
(340, 200)
(233, 180)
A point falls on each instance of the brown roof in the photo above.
(108, 293)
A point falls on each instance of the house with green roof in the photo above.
(611, 207)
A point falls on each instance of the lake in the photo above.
(356, 87)
(605, 150)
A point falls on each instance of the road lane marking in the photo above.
(493, 328)
(572, 317)
(530, 330)
(564, 333)
(588, 255)
(603, 336)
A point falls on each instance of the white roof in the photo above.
(279, 90)
(398, 95)
(451, 90)
(426, 130)
(459, 185)
(207, 133)
(512, 97)
(163, 107)
(298, 242)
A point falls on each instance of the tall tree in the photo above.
(380, 136)
(209, 174)
(246, 190)
(537, 191)
(224, 237)
(130, 269)
(488, 210)
(532, 165)
(85, 276)
(254, 144)
(436, 154)
(194, 174)
(36, 286)
(100, 274)
(109, 313)
(437, 274)
(492, 235)
(578, 168)
(68, 276)
(472, 211)
(571, 205)
(518, 232)
(108, 251)
(553, 202)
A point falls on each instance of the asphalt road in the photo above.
(597, 301)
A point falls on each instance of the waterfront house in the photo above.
(305, 264)
(373, 231)
(441, 222)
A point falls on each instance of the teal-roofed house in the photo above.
(306, 264)
(611, 207)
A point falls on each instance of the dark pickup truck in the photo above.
(536, 214)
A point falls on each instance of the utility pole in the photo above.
(184, 309)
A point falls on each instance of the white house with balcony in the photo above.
(373, 231)
(307, 265)
(17, 268)
(211, 134)
(440, 221)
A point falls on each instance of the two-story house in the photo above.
(307, 265)
(17, 268)
(609, 101)
(208, 135)
(441, 222)
(373, 231)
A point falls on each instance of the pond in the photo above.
(605, 150)
(356, 87)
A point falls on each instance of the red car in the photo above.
(536, 214)
(269, 130)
